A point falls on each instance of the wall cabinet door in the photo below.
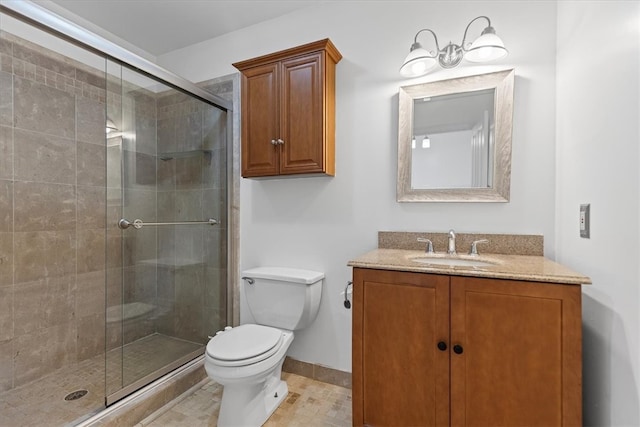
(449, 350)
(288, 111)
(260, 120)
(400, 376)
(521, 353)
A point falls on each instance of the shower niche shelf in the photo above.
(171, 155)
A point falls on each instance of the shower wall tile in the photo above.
(6, 313)
(189, 132)
(91, 250)
(92, 168)
(94, 78)
(166, 175)
(33, 54)
(43, 109)
(90, 121)
(167, 206)
(45, 303)
(6, 99)
(6, 206)
(44, 254)
(189, 171)
(214, 126)
(91, 207)
(145, 129)
(90, 293)
(42, 352)
(6, 258)
(189, 205)
(44, 206)
(215, 173)
(190, 243)
(91, 336)
(6, 63)
(6, 152)
(44, 158)
(6, 365)
(215, 248)
(167, 135)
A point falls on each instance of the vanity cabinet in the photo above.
(288, 111)
(434, 350)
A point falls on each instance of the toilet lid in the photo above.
(244, 342)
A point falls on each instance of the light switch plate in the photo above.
(584, 220)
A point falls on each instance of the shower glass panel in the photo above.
(88, 311)
(52, 228)
(166, 292)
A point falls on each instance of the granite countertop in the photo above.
(515, 267)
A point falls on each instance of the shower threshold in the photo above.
(138, 363)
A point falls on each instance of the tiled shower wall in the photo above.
(62, 186)
(52, 211)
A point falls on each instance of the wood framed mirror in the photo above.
(454, 139)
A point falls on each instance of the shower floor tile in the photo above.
(309, 403)
(41, 403)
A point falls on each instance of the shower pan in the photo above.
(114, 196)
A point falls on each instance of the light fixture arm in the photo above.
(415, 39)
(488, 29)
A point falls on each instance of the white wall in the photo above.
(321, 223)
(598, 140)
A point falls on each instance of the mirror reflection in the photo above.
(454, 139)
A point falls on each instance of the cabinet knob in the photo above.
(279, 141)
(457, 349)
(274, 142)
(442, 346)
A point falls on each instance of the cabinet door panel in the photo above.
(302, 115)
(521, 353)
(401, 378)
(260, 123)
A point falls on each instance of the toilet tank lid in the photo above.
(284, 274)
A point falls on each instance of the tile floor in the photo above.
(309, 403)
(41, 403)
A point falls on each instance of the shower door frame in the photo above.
(65, 29)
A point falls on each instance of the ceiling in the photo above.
(161, 26)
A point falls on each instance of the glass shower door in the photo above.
(166, 291)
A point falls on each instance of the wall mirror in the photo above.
(454, 139)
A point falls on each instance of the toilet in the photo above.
(247, 360)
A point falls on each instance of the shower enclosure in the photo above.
(113, 225)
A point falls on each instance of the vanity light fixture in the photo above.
(487, 47)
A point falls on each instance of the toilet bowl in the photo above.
(250, 376)
(247, 360)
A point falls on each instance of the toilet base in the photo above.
(263, 400)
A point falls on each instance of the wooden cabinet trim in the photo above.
(317, 46)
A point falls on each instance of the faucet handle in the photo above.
(429, 248)
(474, 249)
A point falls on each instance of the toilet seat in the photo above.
(244, 345)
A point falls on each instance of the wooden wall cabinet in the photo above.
(288, 111)
(436, 350)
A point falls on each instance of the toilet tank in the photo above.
(285, 298)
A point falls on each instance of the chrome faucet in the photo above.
(451, 250)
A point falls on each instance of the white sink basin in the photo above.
(452, 262)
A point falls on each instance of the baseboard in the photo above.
(317, 372)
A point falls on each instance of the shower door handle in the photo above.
(138, 223)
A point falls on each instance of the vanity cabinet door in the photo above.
(400, 354)
(518, 358)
